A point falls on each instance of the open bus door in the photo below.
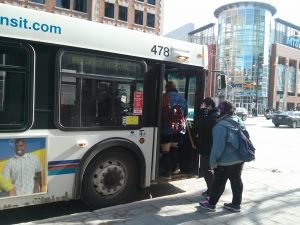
(190, 83)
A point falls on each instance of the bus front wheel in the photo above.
(110, 179)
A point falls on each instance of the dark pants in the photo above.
(207, 172)
(171, 160)
(222, 174)
(175, 155)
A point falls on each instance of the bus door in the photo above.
(153, 89)
(190, 83)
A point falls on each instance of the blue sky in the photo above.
(201, 12)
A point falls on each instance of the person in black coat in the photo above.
(207, 119)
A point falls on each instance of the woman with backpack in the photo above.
(224, 159)
(174, 110)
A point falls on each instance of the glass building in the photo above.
(258, 55)
(242, 51)
(284, 82)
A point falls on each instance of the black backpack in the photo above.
(246, 150)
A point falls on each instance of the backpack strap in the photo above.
(238, 126)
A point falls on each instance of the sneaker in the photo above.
(207, 206)
(175, 172)
(230, 206)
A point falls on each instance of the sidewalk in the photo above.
(270, 197)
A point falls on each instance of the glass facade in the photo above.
(287, 34)
(243, 46)
(258, 55)
(204, 35)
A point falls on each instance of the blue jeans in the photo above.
(222, 174)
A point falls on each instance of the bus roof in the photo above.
(22, 23)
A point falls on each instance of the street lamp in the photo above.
(255, 111)
(256, 88)
(256, 95)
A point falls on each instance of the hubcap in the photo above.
(109, 178)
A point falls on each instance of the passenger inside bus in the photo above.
(170, 139)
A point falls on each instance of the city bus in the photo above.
(80, 107)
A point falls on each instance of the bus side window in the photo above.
(15, 99)
(99, 91)
(104, 102)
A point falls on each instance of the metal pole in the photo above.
(226, 79)
(257, 83)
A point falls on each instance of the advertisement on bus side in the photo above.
(22, 166)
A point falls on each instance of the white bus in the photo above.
(80, 107)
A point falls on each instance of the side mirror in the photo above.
(221, 82)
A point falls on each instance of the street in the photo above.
(277, 154)
(277, 148)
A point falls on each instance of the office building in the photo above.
(141, 15)
(259, 57)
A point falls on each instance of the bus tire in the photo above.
(111, 178)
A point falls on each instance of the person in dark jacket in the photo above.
(170, 140)
(224, 159)
(207, 119)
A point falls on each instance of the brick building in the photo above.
(141, 15)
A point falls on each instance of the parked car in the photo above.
(289, 118)
(242, 113)
(269, 115)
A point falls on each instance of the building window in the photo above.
(63, 4)
(150, 20)
(80, 5)
(77, 5)
(152, 2)
(140, 0)
(38, 1)
(109, 10)
(138, 17)
(123, 13)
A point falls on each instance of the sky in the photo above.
(201, 12)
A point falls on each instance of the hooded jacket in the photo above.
(225, 142)
(207, 120)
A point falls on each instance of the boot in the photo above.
(166, 163)
(175, 160)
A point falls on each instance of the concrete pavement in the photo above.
(270, 197)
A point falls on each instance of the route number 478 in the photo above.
(160, 50)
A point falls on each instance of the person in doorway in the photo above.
(24, 170)
(6, 186)
(169, 140)
(208, 116)
(225, 161)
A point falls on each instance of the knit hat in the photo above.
(225, 107)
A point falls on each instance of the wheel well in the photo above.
(105, 146)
